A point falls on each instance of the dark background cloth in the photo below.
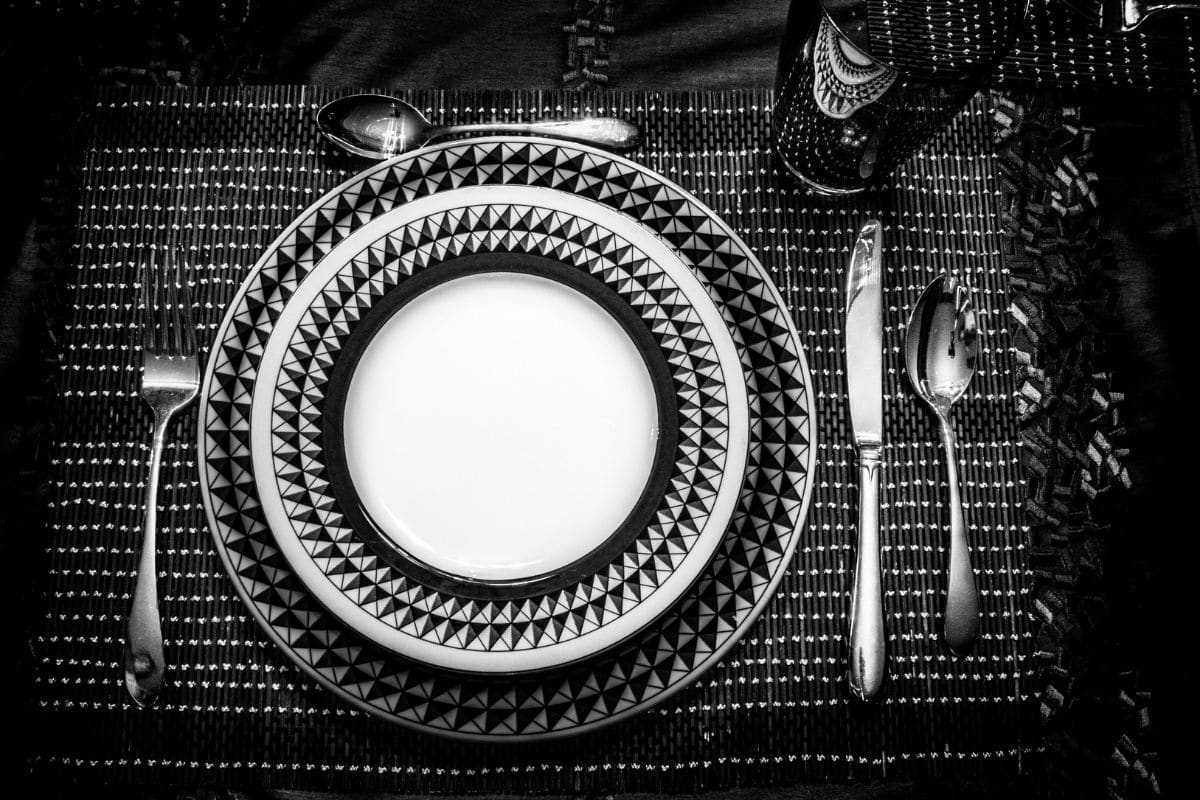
(1146, 156)
(420, 43)
(1146, 153)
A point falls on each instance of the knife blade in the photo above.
(864, 336)
(864, 384)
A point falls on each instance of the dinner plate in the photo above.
(719, 606)
(499, 429)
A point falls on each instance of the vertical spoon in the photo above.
(941, 348)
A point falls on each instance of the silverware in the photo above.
(941, 348)
(1123, 16)
(864, 379)
(377, 126)
(170, 380)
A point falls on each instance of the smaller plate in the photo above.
(500, 430)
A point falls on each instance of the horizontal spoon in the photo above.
(379, 127)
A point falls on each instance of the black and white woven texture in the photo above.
(229, 169)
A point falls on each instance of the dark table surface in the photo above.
(1145, 156)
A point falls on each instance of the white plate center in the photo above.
(500, 426)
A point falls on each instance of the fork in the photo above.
(170, 381)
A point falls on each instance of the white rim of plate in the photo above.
(554, 655)
(215, 525)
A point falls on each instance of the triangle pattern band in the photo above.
(737, 583)
(591, 603)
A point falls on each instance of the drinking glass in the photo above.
(862, 85)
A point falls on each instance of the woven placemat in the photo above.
(230, 168)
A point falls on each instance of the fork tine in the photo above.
(185, 299)
(160, 299)
(175, 332)
(147, 309)
(168, 327)
(159, 310)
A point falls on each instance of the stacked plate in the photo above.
(506, 438)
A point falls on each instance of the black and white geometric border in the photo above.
(665, 657)
(524, 621)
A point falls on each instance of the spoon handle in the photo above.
(962, 599)
(607, 132)
(867, 656)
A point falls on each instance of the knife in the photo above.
(864, 379)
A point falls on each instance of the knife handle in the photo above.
(867, 657)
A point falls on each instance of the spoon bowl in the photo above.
(372, 125)
(942, 343)
(941, 351)
(379, 127)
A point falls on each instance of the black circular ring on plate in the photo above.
(639, 517)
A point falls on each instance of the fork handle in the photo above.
(144, 663)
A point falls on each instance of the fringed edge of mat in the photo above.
(1093, 708)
